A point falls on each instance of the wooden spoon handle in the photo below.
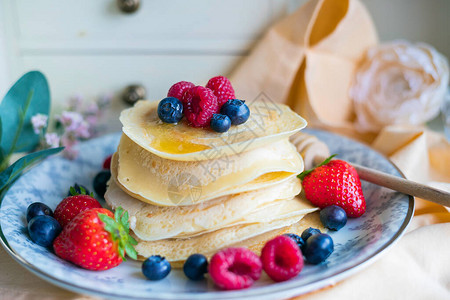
(399, 184)
(403, 185)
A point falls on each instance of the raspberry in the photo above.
(235, 268)
(222, 88)
(199, 105)
(178, 89)
(281, 258)
(107, 163)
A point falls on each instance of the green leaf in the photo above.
(14, 171)
(108, 220)
(2, 154)
(119, 230)
(122, 252)
(117, 213)
(29, 96)
(124, 221)
(72, 191)
(0, 132)
(132, 240)
(131, 252)
(307, 172)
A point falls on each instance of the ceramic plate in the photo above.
(359, 243)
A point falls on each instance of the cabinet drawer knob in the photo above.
(128, 6)
(133, 93)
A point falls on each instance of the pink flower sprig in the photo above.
(52, 140)
(39, 122)
(76, 123)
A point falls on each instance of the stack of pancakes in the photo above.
(191, 190)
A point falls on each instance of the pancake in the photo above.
(252, 236)
(159, 181)
(189, 190)
(268, 123)
(150, 222)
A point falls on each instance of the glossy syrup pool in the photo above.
(172, 138)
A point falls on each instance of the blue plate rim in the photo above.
(282, 289)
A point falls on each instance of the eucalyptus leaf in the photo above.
(29, 96)
(0, 130)
(16, 169)
(2, 154)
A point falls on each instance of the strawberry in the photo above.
(71, 206)
(96, 239)
(334, 182)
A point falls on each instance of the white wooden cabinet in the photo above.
(90, 47)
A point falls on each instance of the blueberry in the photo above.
(38, 209)
(78, 188)
(156, 267)
(220, 123)
(170, 110)
(100, 181)
(237, 110)
(43, 230)
(297, 239)
(309, 232)
(195, 267)
(317, 248)
(333, 217)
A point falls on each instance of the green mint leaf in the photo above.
(15, 170)
(27, 97)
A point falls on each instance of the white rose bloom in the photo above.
(399, 83)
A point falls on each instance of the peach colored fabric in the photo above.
(312, 73)
(308, 59)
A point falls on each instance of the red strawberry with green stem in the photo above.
(334, 182)
(71, 206)
(96, 239)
